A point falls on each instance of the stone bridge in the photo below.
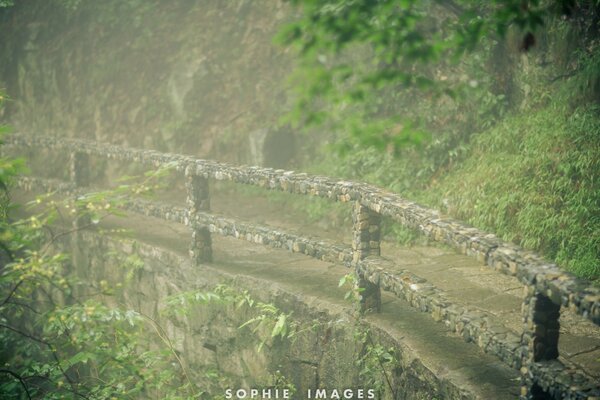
(504, 301)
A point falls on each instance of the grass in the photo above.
(534, 179)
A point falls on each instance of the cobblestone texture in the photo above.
(547, 288)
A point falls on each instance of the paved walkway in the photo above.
(453, 361)
(464, 280)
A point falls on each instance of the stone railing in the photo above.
(547, 288)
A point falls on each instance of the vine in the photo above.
(375, 362)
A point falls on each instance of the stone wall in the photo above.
(209, 336)
(562, 287)
(183, 76)
(547, 288)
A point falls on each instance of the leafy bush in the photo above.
(53, 343)
(534, 180)
(511, 148)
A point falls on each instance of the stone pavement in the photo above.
(489, 297)
(459, 369)
(465, 281)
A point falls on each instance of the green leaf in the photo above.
(280, 327)
(82, 357)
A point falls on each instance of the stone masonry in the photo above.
(547, 288)
(365, 242)
(198, 199)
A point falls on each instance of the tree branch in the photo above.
(19, 378)
(24, 305)
(52, 350)
(27, 335)
(68, 232)
(14, 289)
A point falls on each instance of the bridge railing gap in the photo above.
(547, 287)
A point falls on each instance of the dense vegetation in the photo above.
(486, 110)
(58, 338)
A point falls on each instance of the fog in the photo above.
(169, 231)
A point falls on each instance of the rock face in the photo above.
(272, 148)
(180, 76)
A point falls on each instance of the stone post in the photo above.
(79, 169)
(198, 200)
(539, 341)
(365, 242)
(79, 174)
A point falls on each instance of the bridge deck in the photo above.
(446, 355)
(465, 282)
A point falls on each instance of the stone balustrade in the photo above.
(547, 287)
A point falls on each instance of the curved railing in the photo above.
(547, 288)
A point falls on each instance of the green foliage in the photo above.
(9, 169)
(353, 294)
(358, 55)
(268, 317)
(482, 87)
(586, 85)
(281, 381)
(375, 363)
(534, 180)
(267, 322)
(56, 345)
